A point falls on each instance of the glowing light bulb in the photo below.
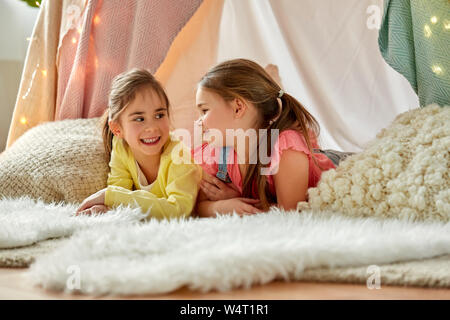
(74, 40)
(79, 30)
(38, 4)
(96, 19)
(447, 25)
(44, 73)
(23, 120)
(434, 19)
(436, 69)
(427, 31)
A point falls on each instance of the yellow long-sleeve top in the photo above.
(174, 192)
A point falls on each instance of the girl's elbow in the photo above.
(290, 204)
(205, 209)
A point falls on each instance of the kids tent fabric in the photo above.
(77, 48)
(326, 51)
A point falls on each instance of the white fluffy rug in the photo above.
(114, 254)
(24, 221)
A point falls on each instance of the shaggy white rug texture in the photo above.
(117, 255)
(24, 221)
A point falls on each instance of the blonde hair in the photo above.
(123, 91)
(241, 78)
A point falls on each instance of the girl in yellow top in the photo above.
(137, 138)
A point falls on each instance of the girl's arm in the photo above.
(204, 207)
(207, 208)
(181, 193)
(293, 170)
(119, 175)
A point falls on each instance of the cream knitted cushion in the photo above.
(403, 173)
(55, 161)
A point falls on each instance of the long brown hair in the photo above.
(241, 78)
(123, 91)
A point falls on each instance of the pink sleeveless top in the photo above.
(287, 139)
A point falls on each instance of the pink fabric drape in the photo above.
(111, 37)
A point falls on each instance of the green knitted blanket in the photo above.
(414, 39)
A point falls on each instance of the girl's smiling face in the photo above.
(143, 124)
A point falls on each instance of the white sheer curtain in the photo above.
(328, 57)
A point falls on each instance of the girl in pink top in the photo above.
(241, 98)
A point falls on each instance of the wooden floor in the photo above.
(14, 286)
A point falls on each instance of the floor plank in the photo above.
(13, 285)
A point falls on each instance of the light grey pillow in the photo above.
(55, 161)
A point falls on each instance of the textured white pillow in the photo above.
(56, 161)
(403, 173)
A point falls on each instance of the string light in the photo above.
(436, 69)
(96, 19)
(447, 25)
(24, 122)
(427, 31)
(44, 73)
(38, 4)
(74, 40)
(434, 19)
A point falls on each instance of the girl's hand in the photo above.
(97, 198)
(98, 208)
(215, 189)
(242, 206)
